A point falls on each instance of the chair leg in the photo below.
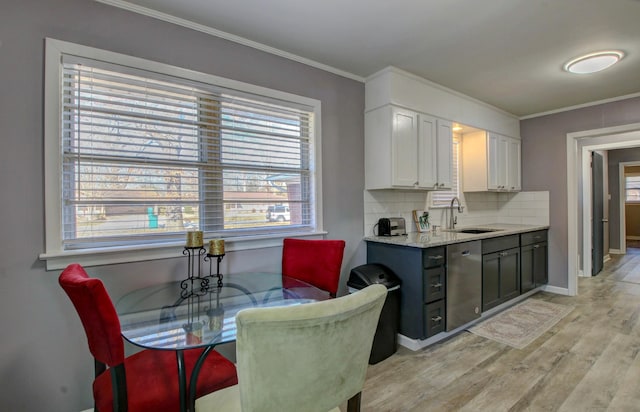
(119, 388)
(353, 404)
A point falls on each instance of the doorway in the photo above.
(629, 183)
(579, 230)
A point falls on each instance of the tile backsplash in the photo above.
(527, 208)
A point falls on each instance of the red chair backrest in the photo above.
(97, 313)
(316, 262)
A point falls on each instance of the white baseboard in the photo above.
(616, 252)
(606, 258)
(557, 290)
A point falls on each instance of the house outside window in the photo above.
(143, 152)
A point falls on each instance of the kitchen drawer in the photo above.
(500, 243)
(434, 318)
(432, 257)
(433, 282)
(533, 237)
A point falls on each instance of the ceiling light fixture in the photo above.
(594, 62)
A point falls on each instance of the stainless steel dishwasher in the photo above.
(464, 283)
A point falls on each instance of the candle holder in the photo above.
(196, 285)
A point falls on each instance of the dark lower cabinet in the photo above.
(422, 293)
(500, 271)
(533, 260)
(510, 265)
(434, 318)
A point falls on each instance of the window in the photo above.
(632, 187)
(442, 198)
(145, 152)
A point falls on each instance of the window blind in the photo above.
(149, 156)
(442, 198)
(632, 188)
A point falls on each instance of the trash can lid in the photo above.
(372, 274)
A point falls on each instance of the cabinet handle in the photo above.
(436, 285)
(435, 257)
(441, 184)
(436, 318)
(504, 253)
(536, 246)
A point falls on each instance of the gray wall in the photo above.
(615, 158)
(44, 361)
(544, 166)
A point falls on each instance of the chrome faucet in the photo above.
(454, 219)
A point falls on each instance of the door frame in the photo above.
(622, 202)
(578, 175)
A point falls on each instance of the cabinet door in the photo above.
(433, 283)
(540, 264)
(427, 144)
(404, 147)
(527, 281)
(434, 318)
(444, 154)
(493, 162)
(509, 274)
(514, 176)
(500, 277)
(490, 280)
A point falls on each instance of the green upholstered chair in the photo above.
(304, 358)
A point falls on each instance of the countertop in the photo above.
(447, 237)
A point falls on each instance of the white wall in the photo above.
(527, 208)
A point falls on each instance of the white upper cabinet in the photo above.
(490, 162)
(408, 150)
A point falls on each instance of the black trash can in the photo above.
(385, 340)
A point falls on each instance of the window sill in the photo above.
(129, 254)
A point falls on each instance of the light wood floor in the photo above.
(589, 361)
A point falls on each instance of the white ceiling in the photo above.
(508, 53)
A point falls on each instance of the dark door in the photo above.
(597, 243)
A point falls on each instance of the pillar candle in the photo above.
(216, 247)
(194, 239)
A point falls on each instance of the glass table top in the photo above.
(197, 313)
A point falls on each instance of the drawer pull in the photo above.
(436, 318)
(436, 285)
(435, 257)
(536, 246)
(504, 253)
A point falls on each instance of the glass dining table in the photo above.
(200, 313)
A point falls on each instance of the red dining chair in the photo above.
(317, 262)
(145, 381)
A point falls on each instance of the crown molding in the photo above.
(228, 36)
(581, 106)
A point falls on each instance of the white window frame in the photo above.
(55, 255)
